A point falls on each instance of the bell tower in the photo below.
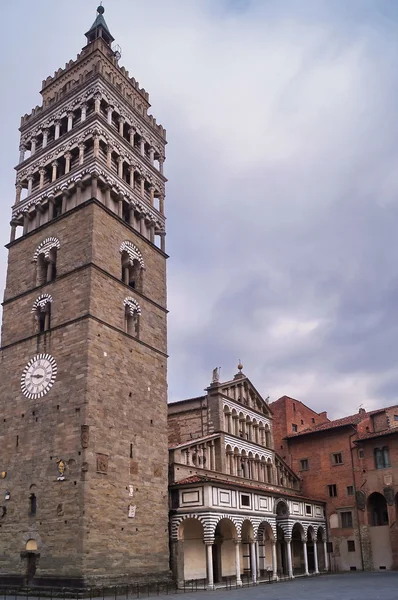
(83, 487)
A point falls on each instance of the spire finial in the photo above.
(240, 366)
(100, 9)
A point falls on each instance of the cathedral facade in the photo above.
(236, 506)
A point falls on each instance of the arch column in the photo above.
(57, 129)
(33, 146)
(316, 558)
(42, 172)
(45, 137)
(22, 150)
(120, 167)
(18, 192)
(54, 165)
(97, 102)
(274, 560)
(68, 157)
(109, 114)
(81, 153)
(132, 134)
(30, 184)
(237, 563)
(289, 558)
(13, 232)
(121, 125)
(161, 163)
(306, 572)
(212, 453)
(209, 560)
(83, 116)
(325, 553)
(253, 561)
(70, 120)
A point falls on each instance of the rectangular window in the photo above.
(350, 490)
(351, 545)
(332, 490)
(294, 427)
(361, 453)
(245, 500)
(313, 420)
(337, 458)
(346, 519)
(308, 509)
(302, 422)
(304, 464)
(395, 417)
(382, 457)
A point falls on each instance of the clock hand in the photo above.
(37, 376)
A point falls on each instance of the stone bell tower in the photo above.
(83, 487)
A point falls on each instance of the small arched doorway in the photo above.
(379, 531)
(31, 554)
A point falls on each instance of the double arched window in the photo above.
(45, 258)
(41, 310)
(132, 266)
(132, 312)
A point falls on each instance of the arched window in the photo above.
(132, 312)
(132, 266)
(377, 510)
(45, 258)
(32, 504)
(42, 312)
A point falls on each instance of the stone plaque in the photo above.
(387, 479)
(132, 510)
(102, 463)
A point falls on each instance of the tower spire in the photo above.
(99, 28)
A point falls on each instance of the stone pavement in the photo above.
(347, 586)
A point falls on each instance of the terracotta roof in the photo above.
(376, 434)
(270, 488)
(345, 421)
(192, 479)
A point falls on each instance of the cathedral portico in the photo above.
(231, 492)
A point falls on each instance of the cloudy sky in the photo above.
(282, 202)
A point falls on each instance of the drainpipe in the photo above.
(355, 488)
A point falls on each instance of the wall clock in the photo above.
(38, 376)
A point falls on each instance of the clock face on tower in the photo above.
(38, 376)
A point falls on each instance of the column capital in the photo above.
(68, 154)
(54, 163)
(132, 130)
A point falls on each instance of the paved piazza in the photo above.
(348, 586)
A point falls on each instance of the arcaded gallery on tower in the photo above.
(102, 482)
